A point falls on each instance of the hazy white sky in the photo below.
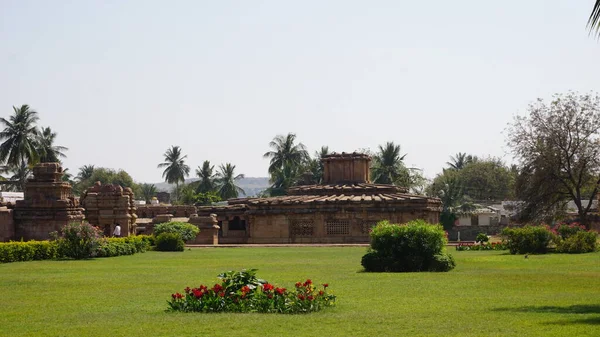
(121, 81)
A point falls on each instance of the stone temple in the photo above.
(340, 210)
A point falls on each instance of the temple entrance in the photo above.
(237, 224)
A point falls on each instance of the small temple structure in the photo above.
(108, 205)
(340, 210)
(48, 204)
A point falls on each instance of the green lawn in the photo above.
(488, 294)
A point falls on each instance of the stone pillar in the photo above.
(209, 230)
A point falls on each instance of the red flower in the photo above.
(173, 295)
(222, 294)
(203, 288)
(280, 291)
(197, 293)
(267, 287)
(307, 283)
(310, 297)
(321, 292)
(187, 290)
(298, 284)
(217, 288)
(325, 285)
(177, 296)
(245, 289)
(301, 297)
(270, 296)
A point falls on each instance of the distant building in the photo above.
(163, 197)
(12, 197)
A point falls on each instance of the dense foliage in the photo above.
(27, 251)
(185, 230)
(415, 246)
(122, 246)
(78, 240)
(169, 242)
(574, 239)
(527, 239)
(484, 246)
(243, 292)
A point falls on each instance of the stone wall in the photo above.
(178, 211)
(346, 168)
(469, 233)
(48, 204)
(7, 225)
(108, 205)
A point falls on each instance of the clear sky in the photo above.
(121, 81)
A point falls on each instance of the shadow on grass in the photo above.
(573, 309)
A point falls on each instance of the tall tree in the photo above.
(48, 152)
(460, 160)
(207, 177)
(20, 174)
(85, 172)
(148, 192)
(594, 20)
(388, 166)
(558, 148)
(226, 182)
(20, 137)
(286, 152)
(175, 168)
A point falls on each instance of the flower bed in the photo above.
(485, 246)
(244, 292)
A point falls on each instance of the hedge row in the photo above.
(16, 251)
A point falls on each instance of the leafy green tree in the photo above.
(175, 168)
(107, 176)
(20, 174)
(286, 152)
(557, 147)
(388, 166)
(19, 137)
(282, 179)
(148, 192)
(207, 178)
(487, 180)
(226, 182)
(85, 172)
(48, 152)
(594, 20)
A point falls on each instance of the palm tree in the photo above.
(286, 152)
(226, 182)
(388, 166)
(207, 178)
(20, 173)
(148, 191)
(175, 168)
(67, 176)
(461, 160)
(49, 153)
(282, 179)
(85, 172)
(594, 20)
(20, 136)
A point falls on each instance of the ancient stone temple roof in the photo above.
(359, 188)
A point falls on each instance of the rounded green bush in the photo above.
(169, 242)
(185, 230)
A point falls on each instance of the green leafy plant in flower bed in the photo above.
(486, 246)
(243, 292)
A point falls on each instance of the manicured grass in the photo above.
(488, 294)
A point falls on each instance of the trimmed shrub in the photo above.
(149, 240)
(482, 238)
(27, 251)
(580, 242)
(415, 246)
(121, 246)
(528, 239)
(78, 241)
(169, 242)
(185, 230)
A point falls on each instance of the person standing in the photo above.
(117, 231)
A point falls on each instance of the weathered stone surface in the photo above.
(48, 204)
(108, 205)
(209, 230)
(7, 225)
(178, 211)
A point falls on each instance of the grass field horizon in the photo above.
(490, 293)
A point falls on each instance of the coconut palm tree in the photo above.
(49, 153)
(594, 20)
(175, 168)
(286, 152)
(85, 172)
(282, 179)
(226, 182)
(207, 178)
(20, 137)
(148, 191)
(20, 174)
(460, 160)
(388, 166)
